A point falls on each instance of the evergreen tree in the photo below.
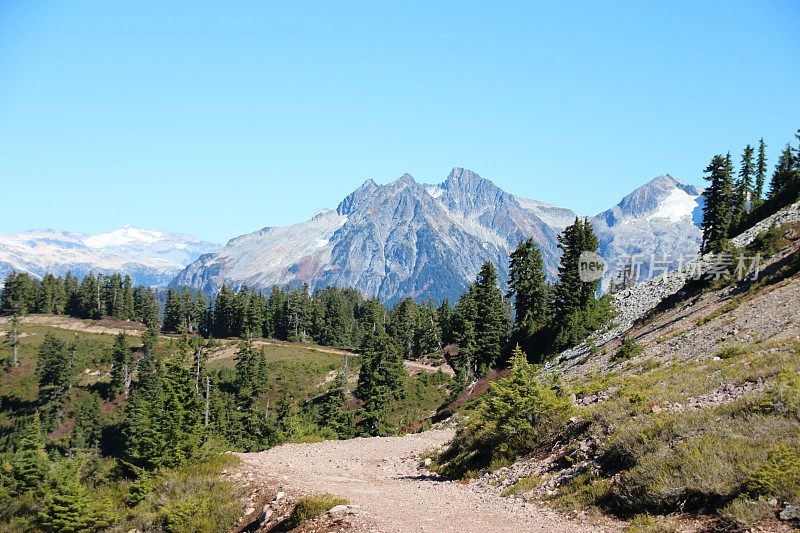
(464, 319)
(222, 321)
(128, 308)
(576, 311)
(72, 291)
(717, 208)
(491, 321)
(784, 174)
(333, 413)
(403, 325)
(19, 295)
(142, 429)
(278, 313)
(332, 326)
(90, 303)
(567, 293)
(761, 171)
(120, 365)
(88, 422)
(744, 187)
(427, 333)
(445, 319)
(146, 307)
(69, 508)
(173, 312)
(30, 461)
(528, 285)
(54, 371)
(246, 359)
(380, 382)
(182, 415)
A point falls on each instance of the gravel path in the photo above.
(382, 476)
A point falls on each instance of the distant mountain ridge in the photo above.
(150, 257)
(421, 240)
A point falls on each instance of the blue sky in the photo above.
(220, 118)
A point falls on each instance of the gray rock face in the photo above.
(411, 239)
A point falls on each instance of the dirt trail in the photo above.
(382, 476)
(111, 327)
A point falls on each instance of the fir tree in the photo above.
(69, 508)
(182, 415)
(761, 171)
(744, 187)
(717, 208)
(444, 317)
(142, 428)
(128, 308)
(464, 319)
(30, 461)
(54, 371)
(491, 321)
(381, 381)
(567, 292)
(88, 422)
(528, 285)
(427, 333)
(403, 325)
(784, 174)
(173, 312)
(333, 413)
(120, 365)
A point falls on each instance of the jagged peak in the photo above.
(461, 175)
(406, 178)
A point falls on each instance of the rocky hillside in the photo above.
(412, 239)
(150, 257)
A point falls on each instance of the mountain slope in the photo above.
(150, 257)
(410, 239)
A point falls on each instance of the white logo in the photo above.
(591, 266)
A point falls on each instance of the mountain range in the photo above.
(150, 257)
(391, 241)
(414, 239)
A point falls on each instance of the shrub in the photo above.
(518, 414)
(584, 490)
(689, 459)
(744, 513)
(628, 350)
(731, 350)
(313, 506)
(523, 485)
(779, 476)
(785, 394)
(644, 523)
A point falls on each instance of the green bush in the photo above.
(778, 476)
(313, 506)
(584, 490)
(731, 350)
(517, 414)
(744, 513)
(695, 459)
(628, 350)
(644, 523)
(785, 394)
(523, 485)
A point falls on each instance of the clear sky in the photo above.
(221, 118)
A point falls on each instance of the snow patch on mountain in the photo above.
(150, 257)
(678, 204)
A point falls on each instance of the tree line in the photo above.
(737, 199)
(94, 297)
